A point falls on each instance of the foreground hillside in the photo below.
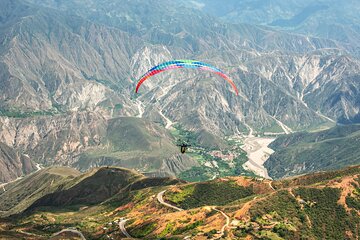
(107, 203)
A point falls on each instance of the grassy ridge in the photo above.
(132, 143)
(98, 187)
(21, 194)
(208, 193)
(316, 178)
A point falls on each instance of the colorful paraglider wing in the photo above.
(183, 64)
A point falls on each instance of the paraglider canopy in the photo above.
(184, 64)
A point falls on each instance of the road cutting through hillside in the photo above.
(38, 168)
(123, 229)
(4, 184)
(222, 231)
(270, 185)
(161, 201)
(69, 230)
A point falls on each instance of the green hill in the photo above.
(93, 189)
(21, 194)
(136, 144)
(301, 153)
(63, 187)
(209, 193)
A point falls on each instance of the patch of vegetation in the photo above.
(268, 235)
(211, 166)
(283, 229)
(237, 169)
(282, 203)
(181, 196)
(283, 210)
(197, 174)
(210, 234)
(143, 230)
(353, 202)
(14, 113)
(188, 227)
(209, 193)
(168, 229)
(329, 219)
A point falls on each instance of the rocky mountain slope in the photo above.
(13, 164)
(55, 139)
(315, 206)
(54, 62)
(69, 67)
(238, 45)
(87, 139)
(304, 152)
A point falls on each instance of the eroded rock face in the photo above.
(55, 139)
(13, 164)
(87, 62)
(49, 64)
(87, 139)
(60, 62)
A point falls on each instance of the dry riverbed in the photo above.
(257, 152)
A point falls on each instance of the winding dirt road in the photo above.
(123, 229)
(161, 201)
(222, 231)
(69, 230)
(38, 168)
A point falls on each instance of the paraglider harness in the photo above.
(183, 145)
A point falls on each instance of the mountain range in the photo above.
(70, 61)
(84, 156)
(330, 19)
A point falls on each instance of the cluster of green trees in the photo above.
(329, 219)
(143, 230)
(188, 227)
(213, 193)
(352, 202)
(24, 114)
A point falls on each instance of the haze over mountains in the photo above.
(331, 19)
(68, 67)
